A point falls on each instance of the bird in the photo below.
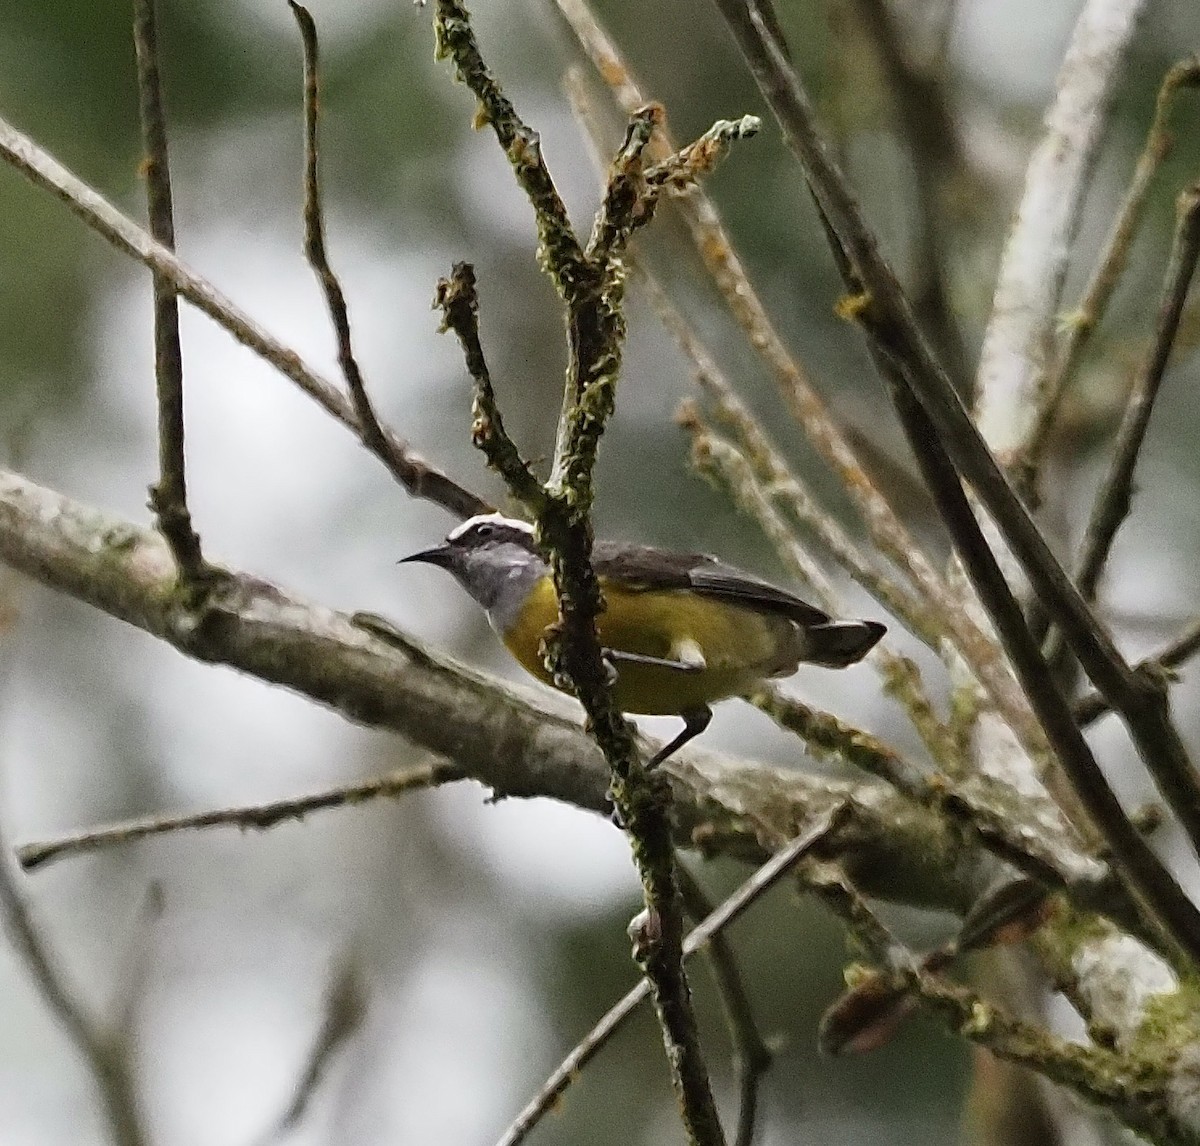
(681, 631)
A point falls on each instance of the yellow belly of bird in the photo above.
(740, 647)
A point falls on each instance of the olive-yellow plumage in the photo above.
(739, 647)
(680, 630)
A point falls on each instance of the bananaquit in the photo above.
(681, 630)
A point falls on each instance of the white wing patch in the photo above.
(688, 652)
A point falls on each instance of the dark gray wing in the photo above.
(644, 567)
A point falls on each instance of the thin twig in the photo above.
(1172, 771)
(256, 817)
(731, 909)
(458, 301)
(1090, 708)
(1018, 343)
(168, 498)
(1110, 266)
(137, 965)
(373, 435)
(1115, 493)
(752, 1057)
(108, 1060)
(728, 467)
(558, 246)
(415, 474)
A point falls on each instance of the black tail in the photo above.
(837, 644)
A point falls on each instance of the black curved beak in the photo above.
(440, 555)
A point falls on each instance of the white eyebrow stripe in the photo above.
(498, 518)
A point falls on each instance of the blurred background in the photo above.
(480, 941)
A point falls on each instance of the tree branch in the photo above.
(419, 477)
(1113, 498)
(1018, 345)
(259, 817)
(1110, 266)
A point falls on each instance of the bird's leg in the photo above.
(695, 721)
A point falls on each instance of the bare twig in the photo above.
(1111, 264)
(1172, 770)
(1113, 498)
(168, 498)
(752, 1057)
(724, 464)
(107, 1059)
(1018, 344)
(458, 301)
(257, 817)
(418, 476)
(373, 435)
(731, 909)
(1090, 708)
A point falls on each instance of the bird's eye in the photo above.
(484, 529)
